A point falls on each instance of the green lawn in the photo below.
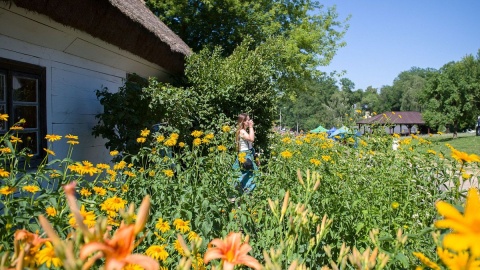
(465, 142)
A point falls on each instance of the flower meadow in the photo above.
(320, 203)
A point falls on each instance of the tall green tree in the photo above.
(371, 100)
(390, 98)
(308, 109)
(338, 108)
(410, 85)
(452, 96)
(303, 34)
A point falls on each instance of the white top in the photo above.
(244, 144)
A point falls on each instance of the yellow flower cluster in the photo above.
(89, 218)
(460, 248)
(182, 225)
(226, 129)
(6, 190)
(197, 133)
(286, 154)
(168, 173)
(172, 140)
(112, 205)
(315, 162)
(85, 167)
(242, 157)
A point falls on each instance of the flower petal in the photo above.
(448, 211)
(456, 226)
(212, 254)
(250, 262)
(93, 247)
(457, 242)
(472, 207)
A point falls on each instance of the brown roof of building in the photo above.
(128, 24)
(395, 118)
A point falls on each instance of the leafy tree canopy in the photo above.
(452, 96)
(302, 34)
(218, 89)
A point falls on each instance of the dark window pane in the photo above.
(24, 89)
(29, 141)
(3, 86)
(3, 124)
(29, 113)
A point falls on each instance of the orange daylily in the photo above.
(232, 252)
(26, 245)
(117, 250)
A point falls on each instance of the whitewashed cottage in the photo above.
(54, 54)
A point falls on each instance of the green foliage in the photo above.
(124, 114)
(452, 96)
(369, 192)
(217, 90)
(228, 86)
(308, 109)
(302, 35)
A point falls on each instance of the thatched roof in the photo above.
(395, 118)
(128, 24)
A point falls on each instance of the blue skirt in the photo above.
(246, 178)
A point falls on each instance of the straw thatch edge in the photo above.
(128, 24)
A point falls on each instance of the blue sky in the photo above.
(387, 37)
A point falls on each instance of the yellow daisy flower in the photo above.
(7, 190)
(157, 252)
(286, 154)
(4, 173)
(31, 188)
(47, 256)
(145, 132)
(85, 192)
(226, 128)
(197, 133)
(465, 233)
(197, 141)
(52, 137)
(14, 139)
(71, 137)
(51, 211)
(100, 191)
(181, 225)
(89, 218)
(160, 138)
(168, 173)
(162, 226)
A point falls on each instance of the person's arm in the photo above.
(250, 135)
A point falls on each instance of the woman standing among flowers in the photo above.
(245, 160)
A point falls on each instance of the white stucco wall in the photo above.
(76, 65)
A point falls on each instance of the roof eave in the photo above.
(106, 20)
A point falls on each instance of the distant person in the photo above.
(244, 138)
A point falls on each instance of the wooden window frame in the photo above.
(11, 68)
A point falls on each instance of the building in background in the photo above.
(55, 54)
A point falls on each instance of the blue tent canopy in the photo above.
(331, 130)
(339, 132)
